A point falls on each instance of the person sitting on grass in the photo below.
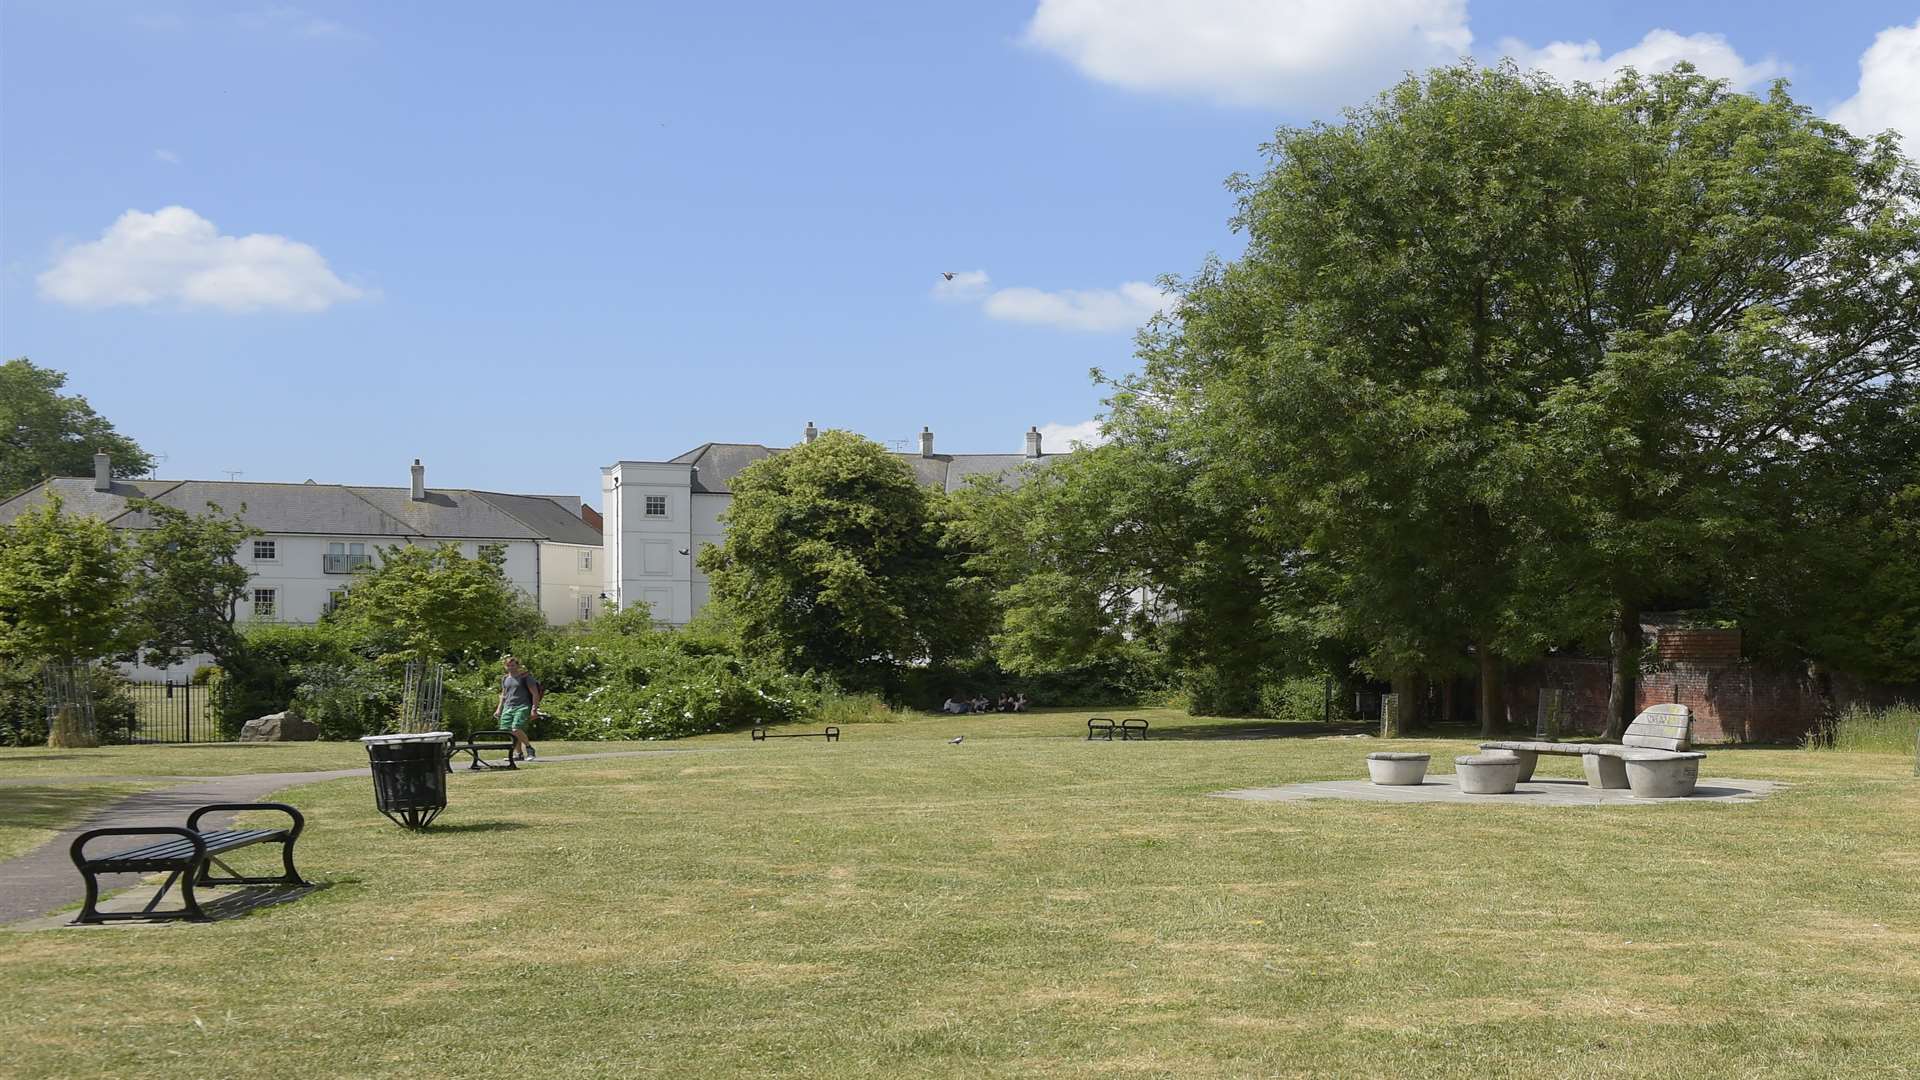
(953, 707)
(1006, 703)
(979, 703)
(1020, 703)
(520, 695)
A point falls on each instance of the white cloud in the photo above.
(1096, 310)
(1055, 438)
(294, 21)
(1569, 61)
(1253, 52)
(1124, 308)
(167, 156)
(1889, 94)
(176, 256)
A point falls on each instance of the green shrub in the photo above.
(346, 701)
(1861, 730)
(1301, 699)
(259, 678)
(837, 709)
(23, 707)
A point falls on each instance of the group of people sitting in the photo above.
(980, 704)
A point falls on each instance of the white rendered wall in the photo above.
(564, 586)
(647, 565)
(302, 586)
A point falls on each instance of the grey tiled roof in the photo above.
(325, 509)
(716, 464)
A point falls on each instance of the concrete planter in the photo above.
(1486, 774)
(1397, 770)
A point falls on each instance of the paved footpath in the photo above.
(44, 879)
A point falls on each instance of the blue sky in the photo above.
(521, 241)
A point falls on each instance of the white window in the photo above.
(656, 506)
(336, 597)
(265, 551)
(264, 602)
(338, 548)
(586, 560)
(586, 608)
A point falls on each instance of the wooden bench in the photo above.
(760, 733)
(478, 742)
(188, 858)
(1102, 726)
(1656, 746)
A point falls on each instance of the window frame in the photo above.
(272, 593)
(647, 504)
(273, 548)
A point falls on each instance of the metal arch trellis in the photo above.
(69, 687)
(420, 701)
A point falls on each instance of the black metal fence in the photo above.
(169, 712)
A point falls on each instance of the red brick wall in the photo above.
(1730, 702)
(1679, 644)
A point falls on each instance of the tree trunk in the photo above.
(1412, 692)
(1493, 698)
(1624, 695)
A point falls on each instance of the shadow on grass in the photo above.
(1248, 730)
(6, 759)
(474, 826)
(50, 807)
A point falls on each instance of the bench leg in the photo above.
(190, 908)
(291, 877)
(1604, 771)
(88, 912)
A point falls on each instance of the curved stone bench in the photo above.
(1396, 769)
(1487, 774)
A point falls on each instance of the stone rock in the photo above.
(279, 727)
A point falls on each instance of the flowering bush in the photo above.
(623, 680)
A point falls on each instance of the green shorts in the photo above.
(516, 717)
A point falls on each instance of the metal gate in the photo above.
(170, 712)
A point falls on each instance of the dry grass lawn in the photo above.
(1026, 904)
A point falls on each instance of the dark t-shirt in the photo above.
(517, 690)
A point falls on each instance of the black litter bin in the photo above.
(409, 776)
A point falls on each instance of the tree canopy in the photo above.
(44, 433)
(64, 587)
(187, 582)
(833, 562)
(436, 604)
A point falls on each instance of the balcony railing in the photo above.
(344, 564)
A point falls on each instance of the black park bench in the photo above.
(760, 733)
(1130, 729)
(188, 858)
(478, 742)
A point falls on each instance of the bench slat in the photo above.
(177, 851)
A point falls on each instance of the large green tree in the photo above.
(1505, 361)
(187, 582)
(45, 433)
(63, 587)
(434, 604)
(834, 563)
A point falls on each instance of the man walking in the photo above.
(520, 695)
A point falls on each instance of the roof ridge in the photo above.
(408, 530)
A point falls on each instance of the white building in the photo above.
(659, 515)
(315, 535)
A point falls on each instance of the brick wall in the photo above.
(1691, 645)
(1731, 702)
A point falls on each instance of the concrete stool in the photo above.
(1397, 770)
(1664, 778)
(1487, 774)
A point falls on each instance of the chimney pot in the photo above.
(812, 432)
(102, 471)
(419, 481)
(926, 442)
(1033, 442)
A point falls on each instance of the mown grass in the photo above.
(1861, 730)
(30, 814)
(894, 906)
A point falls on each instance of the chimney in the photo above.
(419, 481)
(1033, 442)
(812, 432)
(926, 442)
(102, 472)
